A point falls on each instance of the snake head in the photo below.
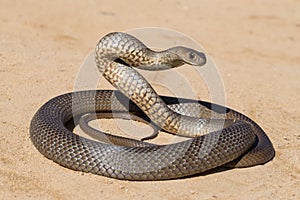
(189, 56)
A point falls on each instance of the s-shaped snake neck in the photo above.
(118, 46)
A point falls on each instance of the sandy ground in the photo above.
(255, 46)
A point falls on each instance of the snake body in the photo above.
(240, 143)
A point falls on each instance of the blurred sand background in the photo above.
(255, 45)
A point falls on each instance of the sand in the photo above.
(255, 46)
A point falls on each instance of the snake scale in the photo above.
(218, 138)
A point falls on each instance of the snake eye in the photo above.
(192, 56)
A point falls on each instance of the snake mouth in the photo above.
(202, 58)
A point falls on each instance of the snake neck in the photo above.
(128, 50)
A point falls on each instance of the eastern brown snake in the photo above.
(240, 143)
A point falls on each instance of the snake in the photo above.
(217, 136)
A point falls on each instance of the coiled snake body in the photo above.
(240, 143)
